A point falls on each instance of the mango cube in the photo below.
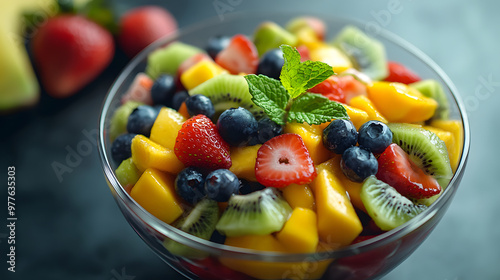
(338, 222)
(155, 192)
(299, 196)
(300, 234)
(243, 159)
(200, 72)
(146, 154)
(357, 116)
(362, 102)
(455, 150)
(166, 127)
(400, 103)
(333, 57)
(312, 136)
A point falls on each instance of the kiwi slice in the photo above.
(368, 54)
(167, 60)
(425, 149)
(228, 91)
(119, 119)
(432, 88)
(258, 213)
(127, 173)
(386, 206)
(200, 222)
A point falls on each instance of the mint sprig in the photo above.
(286, 100)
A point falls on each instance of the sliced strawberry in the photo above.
(186, 64)
(399, 171)
(340, 88)
(240, 56)
(284, 160)
(140, 90)
(199, 144)
(400, 74)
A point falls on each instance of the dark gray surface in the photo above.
(72, 229)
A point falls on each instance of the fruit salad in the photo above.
(282, 141)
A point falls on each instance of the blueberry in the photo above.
(120, 149)
(358, 163)
(190, 184)
(163, 90)
(221, 184)
(247, 187)
(200, 104)
(339, 135)
(266, 130)
(141, 120)
(236, 126)
(178, 98)
(271, 63)
(375, 136)
(216, 44)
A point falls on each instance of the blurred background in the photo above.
(69, 226)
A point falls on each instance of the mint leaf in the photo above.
(315, 109)
(270, 95)
(298, 77)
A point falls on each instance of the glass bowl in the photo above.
(369, 259)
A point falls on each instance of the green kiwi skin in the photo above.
(425, 149)
(368, 54)
(228, 91)
(258, 213)
(200, 222)
(432, 88)
(386, 206)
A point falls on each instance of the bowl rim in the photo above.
(248, 254)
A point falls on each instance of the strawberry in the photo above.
(240, 56)
(284, 160)
(199, 144)
(304, 53)
(141, 26)
(69, 52)
(340, 88)
(400, 74)
(400, 172)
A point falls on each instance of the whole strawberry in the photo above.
(69, 52)
(199, 144)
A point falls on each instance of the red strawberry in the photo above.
(399, 171)
(304, 53)
(199, 144)
(141, 26)
(240, 56)
(400, 74)
(284, 160)
(69, 52)
(340, 88)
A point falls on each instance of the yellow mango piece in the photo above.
(257, 269)
(308, 38)
(312, 136)
(363, 103)
(243, 159)
(300, 234)
(352, 188)
(455, 127)
(357, 116)
(201, 72)
(400, 103)
(155, 192)
(338, 222)
(146, 154)
(331, 56)
(299, 196)
(166, 126)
